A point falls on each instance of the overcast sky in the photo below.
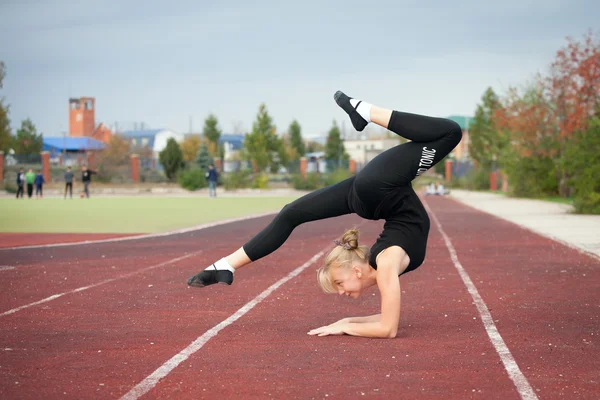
(163, 63)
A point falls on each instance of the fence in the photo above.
(149, 170)
(14, 162)
(461, 168)
(69, 159)
(294, 167)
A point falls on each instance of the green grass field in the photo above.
(126, 214)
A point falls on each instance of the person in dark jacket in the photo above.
(39, 183)
(212, 177)
(86, 178)
(69, 182)
(21, 183)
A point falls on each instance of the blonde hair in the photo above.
(345, 254)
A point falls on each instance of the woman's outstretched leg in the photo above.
(331, 201)
(431, 140)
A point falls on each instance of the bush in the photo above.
(476, 179)
(10, 187)
(311, 182)
(533, 177)
(152, 176)
(111, 173)
(583, 166)
(588, 203)
(260, 181)
(238, 180)
(192, 179)
(336, 176)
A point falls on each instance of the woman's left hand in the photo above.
(333, 329)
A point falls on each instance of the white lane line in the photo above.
(151, 380)
(522, 385)
(81, 289)
(6, 267)
(147, 236)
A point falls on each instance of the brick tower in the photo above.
(81, 116)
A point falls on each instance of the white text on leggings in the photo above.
(426, 160)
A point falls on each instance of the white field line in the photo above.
(81, 289)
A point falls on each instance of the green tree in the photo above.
(5, 131)
(171, 158)
(582, 162)
(283, 155)
(296, 141)
(334, 147)
(212, 133)
(262, 146)
(27, 140)
(204, 159)
(487, 142)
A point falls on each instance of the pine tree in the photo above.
(204, 159)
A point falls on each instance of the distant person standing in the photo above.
(212, 177)
(30, 179)
(86, 178)
(21, 183)
(39, 184)
(69, 175)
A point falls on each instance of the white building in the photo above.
(154, 139)
(363, 151)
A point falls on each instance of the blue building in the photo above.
(72, 149)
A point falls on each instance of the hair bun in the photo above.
(350, 239)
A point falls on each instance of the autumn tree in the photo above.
(314, 146)
(116, 152)
(573, 90)
(190, 147)
(542, 120)
(523, 120)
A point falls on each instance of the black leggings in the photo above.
(431, 140)
(69, 188)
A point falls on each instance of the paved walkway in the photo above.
(549, 219)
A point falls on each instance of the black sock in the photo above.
(343, 101)
(209, 277)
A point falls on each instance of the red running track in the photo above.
(8, 240)
(124, 312)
